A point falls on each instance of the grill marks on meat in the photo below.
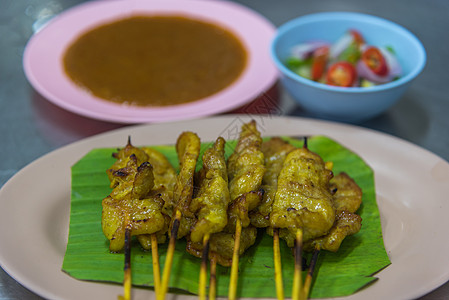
(347, 200)
(269, 184)
(245, 170)
(211, 203)
(134, 202)
(303, 200)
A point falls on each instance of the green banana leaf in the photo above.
(337, 274)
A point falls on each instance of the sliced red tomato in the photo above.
(342, 74)
(319, 61)
(357, 36)
(375, 60)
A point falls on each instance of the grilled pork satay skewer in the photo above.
(134, 207)
(188, 149)
(303, 207)
(347, 198)
(297, 292)
(134, 191)
(164, 181)
(245, 171)
(275, 150)
(211, 203)
(221, 249)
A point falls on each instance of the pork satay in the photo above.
(347, 199)
(303, 200)
(164, 182)
(164, 173)
(275, 150)
(347, 195)
(211, 203)
(129, 207)
(188, 149)
(221, 245)
(346, 224)
(240, 208)
(122, 157)
(246, 169)
(246, 166)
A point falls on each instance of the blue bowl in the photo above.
(354, 104)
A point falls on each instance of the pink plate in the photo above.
(43, 58)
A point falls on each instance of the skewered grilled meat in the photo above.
(221, 245)
(211, 203)
(142, 181)
(164, 182)
(164, 173)
(270, 184)
(188, 149)
(128, 206)
(123, 156)
(347, 200)
(246, 168)
(347, 194)
(275, 150)
(303, 200)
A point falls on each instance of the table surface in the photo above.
(32, 127)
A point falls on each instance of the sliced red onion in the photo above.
(305, 50)
(365, 72)
(392, 62)
(394, 69)
(340, 45)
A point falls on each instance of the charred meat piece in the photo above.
(129, 206)
(303, 200)
(188, 149)
(246, 168)
(347, 200)
(212, 200)
(275, 150)
(221, 245)
(347, 195)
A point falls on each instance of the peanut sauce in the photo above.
(155, 60)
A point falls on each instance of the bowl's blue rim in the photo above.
(345, 15)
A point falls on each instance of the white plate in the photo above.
(43, 56)
(411, 189)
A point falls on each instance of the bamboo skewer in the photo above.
(235, 262)
(169, 258)
(277, 265)
(156, 268)
(127, 279)
(297, 293)
(203, 271)
(213, 279)
(309, 276)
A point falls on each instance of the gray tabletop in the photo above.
(32, 127)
